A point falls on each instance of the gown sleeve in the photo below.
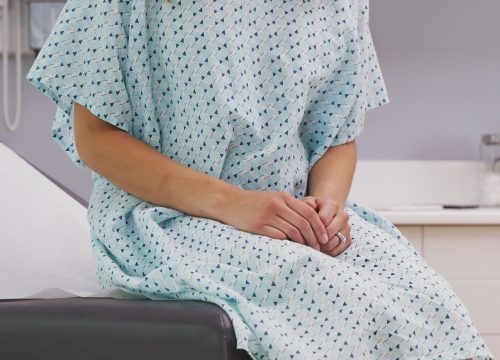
(371, 88)
(84, 60)
(357, 85)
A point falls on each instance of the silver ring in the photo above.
(342, 238)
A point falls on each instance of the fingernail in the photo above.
(324, 239)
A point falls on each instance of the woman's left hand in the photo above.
(335, 220)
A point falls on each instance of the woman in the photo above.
(221, 139)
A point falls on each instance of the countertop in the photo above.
(479, 216)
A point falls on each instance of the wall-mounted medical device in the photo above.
(42, 16)
(6, 17)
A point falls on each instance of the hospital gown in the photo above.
(254, 93)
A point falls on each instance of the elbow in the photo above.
(86, 134)
(83, 150)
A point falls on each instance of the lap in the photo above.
(373, 249)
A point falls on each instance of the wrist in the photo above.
(322, 189)
(223, 199)
(329, 191)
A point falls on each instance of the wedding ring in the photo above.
(342, 238)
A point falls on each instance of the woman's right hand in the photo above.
(278, 215)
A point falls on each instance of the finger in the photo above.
(311, 201)
(341, 217)
(274, 233)
(346, 231)
(301, 225)
(338, 222)
(288, 229)
(332, 243)
(312, 218)
(341, 248)
(327, 208)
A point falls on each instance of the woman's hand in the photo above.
(335, 219)
(278, 215)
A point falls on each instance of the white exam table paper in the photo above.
(45, 249)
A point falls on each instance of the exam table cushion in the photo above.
(50, 262)
(108, 328)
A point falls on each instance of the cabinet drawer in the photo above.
(463, 251)
(480, 297)
(414, 233)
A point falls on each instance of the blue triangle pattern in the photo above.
(254, 93)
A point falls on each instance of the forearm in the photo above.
(332, 174)
(147, 174)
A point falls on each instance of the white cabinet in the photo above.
(414, 233)
(463, 251)
(468, 256)
(463, 245)
(481, 299)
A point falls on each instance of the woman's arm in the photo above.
(146, 173)
(332, 174)
(329, 183)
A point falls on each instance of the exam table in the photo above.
(50, 304)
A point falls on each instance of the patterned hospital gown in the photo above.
(252, 92)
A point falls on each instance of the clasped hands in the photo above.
(335, 219)
(281, 216)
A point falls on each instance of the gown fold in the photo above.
(254, 93)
